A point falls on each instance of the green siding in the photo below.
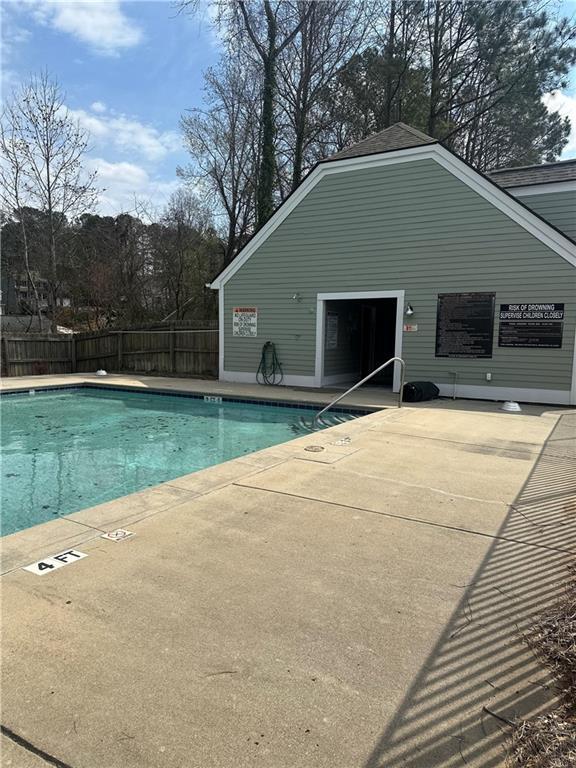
(412, 226)
(559, 208)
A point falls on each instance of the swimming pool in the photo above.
(65, 450)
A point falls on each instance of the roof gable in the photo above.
(521, 214)
(397, 136)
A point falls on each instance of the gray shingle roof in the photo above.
(398, 136)
(402, 136)
(546, 173)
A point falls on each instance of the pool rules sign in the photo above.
(531, 325)
(245, 321)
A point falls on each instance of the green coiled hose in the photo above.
(270, 369)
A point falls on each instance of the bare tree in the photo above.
(178, 252)
(468, 72)
(400, 30)
(51, 145)
(223, 141)
(329, 34)
(262, 31)
(484, 60)
(280, 29)
(13, 191)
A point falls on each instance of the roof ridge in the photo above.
(512, 168)
(395, 137)
(414, 131)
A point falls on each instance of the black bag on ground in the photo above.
(417, 391)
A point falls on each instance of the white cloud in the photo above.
(9, 80)
(127, 187)
(128, 183)
(98, 106)
(17, 36)
(126, 134)
(12, 36)
(101, 24)
(565, 104)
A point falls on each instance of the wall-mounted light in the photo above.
(296, 297)
(409, 310)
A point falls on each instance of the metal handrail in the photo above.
(364, 380)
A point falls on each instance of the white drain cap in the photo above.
(511, 407)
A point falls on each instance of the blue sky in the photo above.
(129, 69)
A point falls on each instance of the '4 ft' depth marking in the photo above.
(55, 561)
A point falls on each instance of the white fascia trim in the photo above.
(542, 189)
(319, 341)
(490, 191)
(338, 295)
(518, 394)
(244, 377)
(221, 332)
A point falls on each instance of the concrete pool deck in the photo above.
(374, 398)
(361, 605)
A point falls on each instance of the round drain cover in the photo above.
(314, 448)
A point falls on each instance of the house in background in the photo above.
(19, 298)
(395, 246)
(18, 312)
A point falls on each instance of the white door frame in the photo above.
(572, 396)
(321, 300)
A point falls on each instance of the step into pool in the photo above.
(66, 450)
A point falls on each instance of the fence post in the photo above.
(73, 353)
(119, 347)
(6, 359)
(172, 348)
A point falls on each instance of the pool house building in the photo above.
(397, 247)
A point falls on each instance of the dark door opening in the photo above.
(360, 336)
(377, 338)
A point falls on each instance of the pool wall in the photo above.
(299, 404)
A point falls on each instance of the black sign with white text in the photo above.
(465, 325)
(531, 325)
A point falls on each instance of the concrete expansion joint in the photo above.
(86, 525)
(485, 446)
(416, 520)
(29, 747)
(441, 491)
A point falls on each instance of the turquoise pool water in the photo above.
(68, 450)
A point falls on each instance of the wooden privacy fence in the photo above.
(172, 350)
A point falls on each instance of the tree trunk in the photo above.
(435, 85)
(52, 294)
(302, 103)
(28, 271)
(231, 243)
(388, 96)
(264, 197)
(53, 256)
(298, 151)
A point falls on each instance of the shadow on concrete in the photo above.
(480, 661)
